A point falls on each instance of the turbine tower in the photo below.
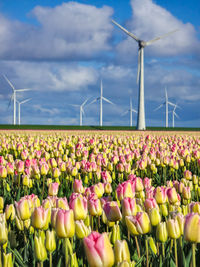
(19, 108)
(174, 114)
(101, 98)
(13, 97)
(166, 103)
(131, 110)
(140, 73)
(81, 110)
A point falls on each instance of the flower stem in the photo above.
(175, 251)
(193, 255)
(163, 250)
(147, 252)
(50, 259)
(137, 246)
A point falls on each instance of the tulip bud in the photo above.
(172, 195)
(3, 230)
(10, 212)
(192, 228)
(50, 240)
(161, 232)
(81, 229)
(3, 172)
(173, 228)
(23, 209)
(65, 226)
(152, 245)
(121, 251)
(79, 206)
(53, 189)
(19, 223)
(160, 195)
(40, 250)
(7, 260)
(164, 210)
(154, 217)
(78, 186)
(186, 194)
(125, 190)
(40, 218)
(115, 234)
(139, 224)
(98, 250)
(94, 207)
(112, 211)
(129, 207)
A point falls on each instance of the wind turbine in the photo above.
(140, 73)
(81, 110)
(166, 103)
(174, 114)
(13, 97)
(101, 98)
(19, 108)
(131, 110)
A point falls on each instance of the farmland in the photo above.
(99, 198)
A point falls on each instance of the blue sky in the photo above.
(62, 49)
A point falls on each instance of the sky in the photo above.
(61, 50)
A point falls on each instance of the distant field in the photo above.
(94, 128)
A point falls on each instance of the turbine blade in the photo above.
(172, 104)
(127, 32)
(158, 107)
(105, 99)
(138, 70)
(160, 37)
(10, 100)
(85, 101)
(26, 100)
(124, 113)
(176, 115)
(22, 90)
(96, 99)
(133, 110)
(11, 85)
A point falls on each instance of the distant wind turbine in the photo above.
(131, 110)
(101, 98)
(13, 97)
(166, 103)
(174, 114)
(19, 108)
(81, 110)
(140, 73)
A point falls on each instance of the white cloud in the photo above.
(52, 111)
(68, 31)
(151, 20)
(49, 76)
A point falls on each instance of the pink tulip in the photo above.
(94, 207)
(125, 190)
(65, 225)
(112, 211)
(98, 250)
(53, 189)
(150, 203)
(129, 206)
(78, 186)
(3, 172)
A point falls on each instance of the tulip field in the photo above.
(99, 199)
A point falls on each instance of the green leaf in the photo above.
(188, 258)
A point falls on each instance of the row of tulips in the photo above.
(79, 200)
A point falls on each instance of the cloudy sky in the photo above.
(62, 49)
